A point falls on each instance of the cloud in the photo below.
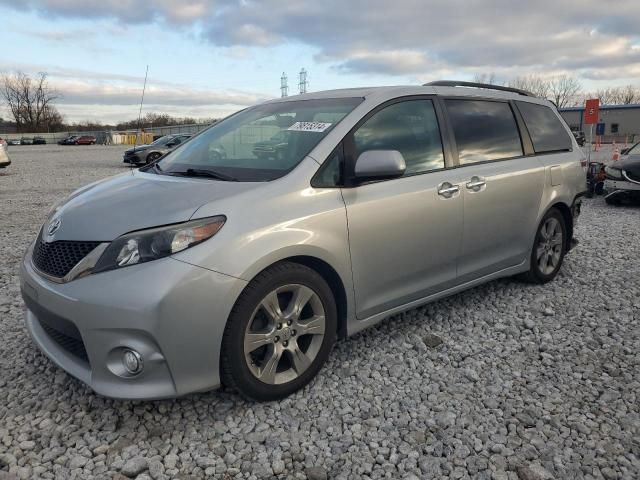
(400, 38)
(85, 94)
(129, 11)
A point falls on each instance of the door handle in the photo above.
(447, 190)
(476, 183)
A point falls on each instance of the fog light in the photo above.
(132, 362)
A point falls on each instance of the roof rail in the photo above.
(459, 83)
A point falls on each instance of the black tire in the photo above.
(235, 372)
(152, 157)
(535, 274)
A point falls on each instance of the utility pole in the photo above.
(284, 87)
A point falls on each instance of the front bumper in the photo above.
(133, 159)
(172, 313)
(621, 185)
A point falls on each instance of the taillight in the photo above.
(583, 162)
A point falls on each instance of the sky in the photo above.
(209, 58)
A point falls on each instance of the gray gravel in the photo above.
(506, 381)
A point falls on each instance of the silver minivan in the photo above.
(200, 270)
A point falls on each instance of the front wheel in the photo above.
(152, 157)
(279, 333)
(549, 249)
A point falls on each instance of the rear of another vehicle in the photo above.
(5, 161)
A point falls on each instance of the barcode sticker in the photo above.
(309, 127)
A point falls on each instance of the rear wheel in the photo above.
(279, 333)
(548, 250)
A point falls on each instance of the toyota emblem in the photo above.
(54, 226)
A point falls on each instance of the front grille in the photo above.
(58, 258)
(74, 346)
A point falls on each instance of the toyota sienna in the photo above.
(201, 270)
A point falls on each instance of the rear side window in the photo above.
(546, 131)
(484, 130)
(410, 127)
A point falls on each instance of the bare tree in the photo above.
(563, 90)
(531, 83)
(489, 78)
(29, 100)
(628, 94)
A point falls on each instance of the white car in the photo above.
(5, 161)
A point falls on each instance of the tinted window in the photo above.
(484, 130)
(409, 127)
(546, 130)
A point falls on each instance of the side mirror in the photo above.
(380, 164)
(171, 145)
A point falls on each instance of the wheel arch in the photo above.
(565, 210)
(326, 271)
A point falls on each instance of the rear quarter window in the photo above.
(545, 128)
(484, 130)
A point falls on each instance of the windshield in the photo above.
(635, 150)
(260, 143)
(162, 140)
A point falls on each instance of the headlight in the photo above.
(146, 245)
(613, 172)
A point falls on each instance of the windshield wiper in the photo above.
(199, 172)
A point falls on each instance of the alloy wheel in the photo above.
(549, 248)
(285, 334)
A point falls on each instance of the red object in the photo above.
(591, 110)
(85, 140)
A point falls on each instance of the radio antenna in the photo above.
(144, 88)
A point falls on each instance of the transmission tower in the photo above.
(284, 87)
(304, 83)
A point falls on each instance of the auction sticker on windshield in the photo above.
(309, 127)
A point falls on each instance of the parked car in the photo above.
(26, 141)
(275, 147)
(144, 154)
(5, 161)
(85, 140)
(253, 267)
(595, 179)
(580, 138)
(39, 141)
(622, 182)
(14, 141)
(68, 141)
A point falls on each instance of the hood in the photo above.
(137, 148)
(133, 201)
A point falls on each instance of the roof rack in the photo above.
(459, 83)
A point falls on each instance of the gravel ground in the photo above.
(505, 381)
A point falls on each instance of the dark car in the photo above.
(39, 141)
(145, 154)
(579, 135)
(4, 156)
(622, 182)
(273, 148)
(26, 141)
(68, 141)
(85, 140)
